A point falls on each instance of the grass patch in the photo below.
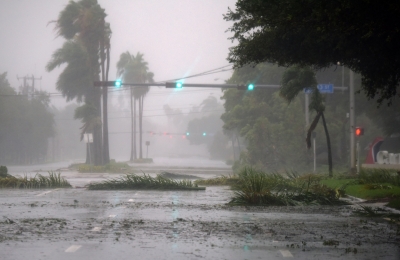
(365, 192)
(259, 188)
(374, 176)
(143, 160)
(230, 180)
(369, 184)
(112, 167)
(54, 180)
(133, 182)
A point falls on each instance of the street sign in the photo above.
(88, 138)
(323, 88)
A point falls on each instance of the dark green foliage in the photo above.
(320, 33)
(379, 176)
(262, 189)
(85, 52)
(3, 172)
(26, 125)
(54, 180)
(394, 203)
(262, 122)
(134, 182)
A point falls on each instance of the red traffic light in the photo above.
(359, 131)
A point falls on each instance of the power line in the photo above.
(175, 114)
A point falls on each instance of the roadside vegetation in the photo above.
(112, 167)
(54, 180)
(255, 187)
(133, 182)
(370, 184)
(260, 188)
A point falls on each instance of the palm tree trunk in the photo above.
(134, 129)
(328, 142)
(106, 153)
(140, 126)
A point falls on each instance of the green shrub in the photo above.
(54, 180)
(256, 187)
(4, 172)
(373, 176)
(133, 181)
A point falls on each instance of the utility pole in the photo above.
(26, 89)
(352, 123)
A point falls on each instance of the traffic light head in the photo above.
(246, 87)
(187, 133)
(359, 131)
(174, 84)
(204, 134)
(118, 83)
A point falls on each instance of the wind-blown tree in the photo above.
(85, 52)
(133, 69)
(268, 127)
(293, 82)
(362, 35)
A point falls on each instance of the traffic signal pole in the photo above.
(352, 125)
(190, 85)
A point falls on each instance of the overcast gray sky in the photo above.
(178, 38)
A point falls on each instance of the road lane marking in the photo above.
(46, 192)
(112, 216)
(286, 253)
(96, 229)
(72, 248)
(131, 200)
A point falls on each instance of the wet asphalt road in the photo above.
(80, 224)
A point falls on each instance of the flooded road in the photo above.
(81, 224)
(140, 224)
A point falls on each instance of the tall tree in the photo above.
(134, 69)
(26, 125)
(293, 81)
(83, 25)
(363, 35)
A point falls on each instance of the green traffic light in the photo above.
(118, 83)
(178, 85)
(187, 133)
(204, 134)
(250, 87)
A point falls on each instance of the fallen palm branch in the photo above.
(145, 182)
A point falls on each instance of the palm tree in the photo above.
(90, 119)
(105, 46)
(133, 69)
(83, 25)
(294, 80)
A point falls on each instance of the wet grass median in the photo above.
(133, 181)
